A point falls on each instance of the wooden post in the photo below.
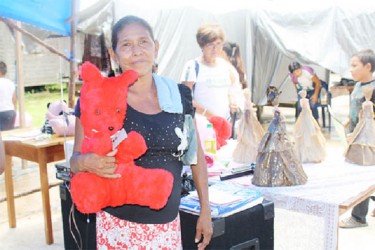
(73, 63)
(20, 89)
(19, 65)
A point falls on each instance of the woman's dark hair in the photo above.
(233, 52)
(230, 49)
(125, 21)
(294, 66)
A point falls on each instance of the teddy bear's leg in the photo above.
(145, 187)
(90, 193)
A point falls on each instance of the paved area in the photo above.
(29, 233)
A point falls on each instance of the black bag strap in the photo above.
(196, 68)
(196, 75)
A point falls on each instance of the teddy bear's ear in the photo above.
(129, 77)
(90, 72)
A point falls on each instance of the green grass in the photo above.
(36, 105)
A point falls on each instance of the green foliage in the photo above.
(35, 89)
(56, 87)
(36, 105)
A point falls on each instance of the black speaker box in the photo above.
(79, 229)
(251, 229)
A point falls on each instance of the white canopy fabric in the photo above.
(323, 34)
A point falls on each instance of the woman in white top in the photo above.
(7, 100)
(209, 75)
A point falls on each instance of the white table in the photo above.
(311, 211)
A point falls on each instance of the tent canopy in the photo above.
(51, 15)
(323, 34)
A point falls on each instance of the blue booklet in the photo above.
(225, 199)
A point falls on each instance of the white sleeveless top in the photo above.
(7, 89)
(305, 80)
(211, 86)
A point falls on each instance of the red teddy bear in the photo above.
(103, 103)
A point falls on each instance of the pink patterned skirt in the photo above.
(115, 233)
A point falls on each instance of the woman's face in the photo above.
(297, 73)
(358, 70)
(136, 49)
(212, 50)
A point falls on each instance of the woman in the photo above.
(151, 114)
(304, 78)
(210, 76)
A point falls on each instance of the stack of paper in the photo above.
(225, 199)
(22, 135)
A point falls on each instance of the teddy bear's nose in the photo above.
(110, 128)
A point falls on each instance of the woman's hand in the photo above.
(349, 137)
(200, 176)
(346, 123)
(204, 228)
(235, 95)
(104, 166)
(233, 108)
(314, 99)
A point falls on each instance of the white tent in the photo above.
(323, 34)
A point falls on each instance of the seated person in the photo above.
(304, 78)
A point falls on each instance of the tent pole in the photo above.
(72, 62)
(20, 88)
